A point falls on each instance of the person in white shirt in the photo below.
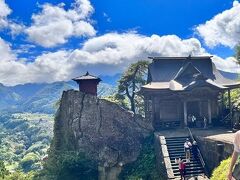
(235, 154)
(193, 121)
(187, 146)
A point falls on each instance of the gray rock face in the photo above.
(99, 128)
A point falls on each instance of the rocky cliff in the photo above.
(101, 129)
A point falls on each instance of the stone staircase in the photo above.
(175, 147)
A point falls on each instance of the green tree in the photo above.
(28, 161)
(132, 80)
(145, 167)
(68, 165)
(237, 53)
(20, 176)
(3, 170)
(220, 173)
(118, 99)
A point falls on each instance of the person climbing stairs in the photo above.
(175, 146)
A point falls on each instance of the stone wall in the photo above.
(213, 151)
(161, 164)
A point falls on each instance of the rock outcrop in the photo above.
(101, 129)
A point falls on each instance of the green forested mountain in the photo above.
(9, 98)
(24, 140)
(26, 121)
(39, 97)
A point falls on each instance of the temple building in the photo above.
(88, 83)
(181, 87)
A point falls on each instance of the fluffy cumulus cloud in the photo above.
(54, 25)
(6, 23)
(4, 12)
(229, 64)
(107, 55)
(222, 29)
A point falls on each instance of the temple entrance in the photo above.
(200, 110)
(193, 108)
(193, 114)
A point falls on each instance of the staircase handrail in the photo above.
(199, 153)
(227, 116)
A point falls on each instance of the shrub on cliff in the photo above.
(68, 165)
(28, 162)
(145, 166)
(20, 176)
(3, 170)
(220, 173)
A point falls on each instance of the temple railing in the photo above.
(227, 120)
(199, 152)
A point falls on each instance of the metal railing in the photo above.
(227, 120)
(227, 117)
(199, 152)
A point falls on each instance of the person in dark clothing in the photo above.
(195, 149)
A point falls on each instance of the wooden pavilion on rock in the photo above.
(179, 86)
(88, 83)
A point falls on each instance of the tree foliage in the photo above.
(3, 170)
(235, 97)
(144, 167)
(25, 138)
(220, 173)
(68, 165)
(118, 99)
(237, 53)
(28, 162)
(132, 80)
(20, 176)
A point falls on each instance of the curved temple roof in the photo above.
(184, 73)
(87, 76)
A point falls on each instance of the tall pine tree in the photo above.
(132, 80)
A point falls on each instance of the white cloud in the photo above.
(222, 29)
(54, 25)
(4, 12)
(5, 51)
(6, 23)
(107, 55)
(229, 64)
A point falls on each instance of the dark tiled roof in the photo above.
(87, 76)
(177, 73)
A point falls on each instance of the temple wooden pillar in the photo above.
(200, 108)
(185, 112)
(229, 101)
(222, 104)
(230, 106)
(209, 112)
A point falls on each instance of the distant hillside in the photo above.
(40, 97)
(25, 139)
(9, 98)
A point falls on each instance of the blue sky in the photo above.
(47, 41)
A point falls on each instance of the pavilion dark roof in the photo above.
(178, 73)
(87, 76)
